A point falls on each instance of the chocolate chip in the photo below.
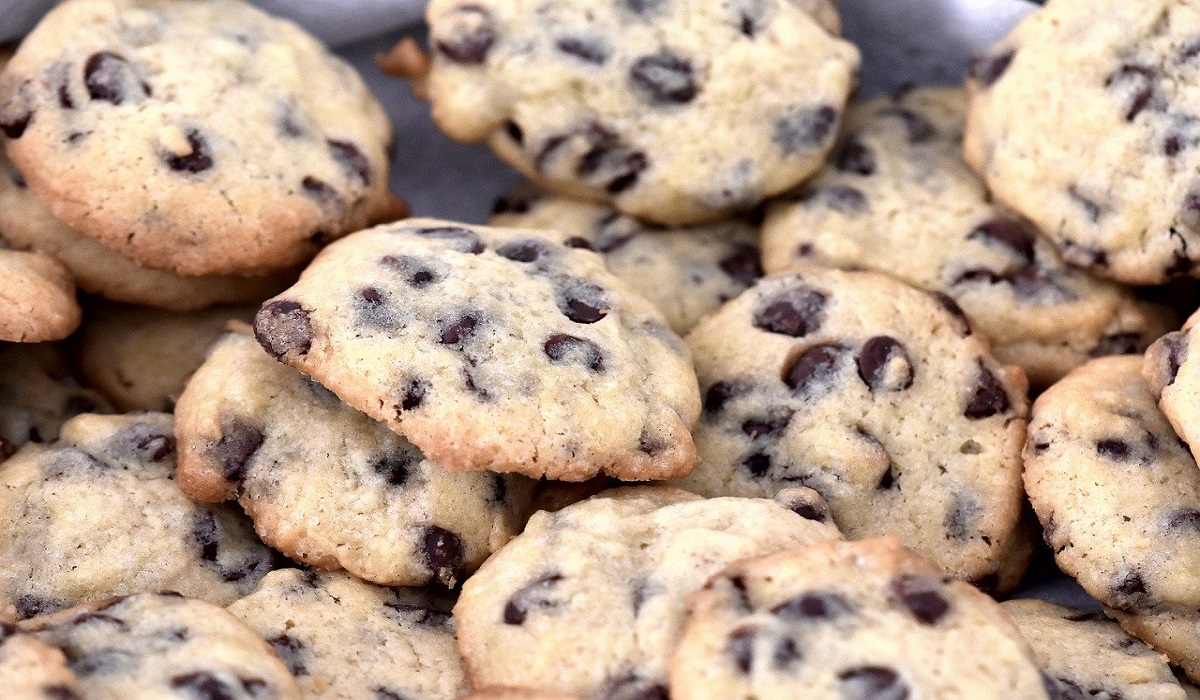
(461, 239)
(1137, 84)
(444, 556)
(814, 368)
(986, 70)
(59, 692)
(1090, 208)
(1006, 233)
(719, 394)
(239, 442)
(578, 242)
(741, 648)
(856, 157)
(988, 398)
(469, 36)
(1113, 449)
(617, 166)
(962, 516)
(582, 301)
(412, 395)
(514, 131)
(613, 231)
(204, 686)
(1176, 344)
(1184, 519)
(1117, 344)
(371, 309)
(664, 78)
(31, 606)
(197, 160)
(786, 653)
(585, 49)
(532, 596)
(395, 467)
(952, 307)
(1130, 593)
(634, 688)
(809, 509)
(795, 312)
(411, 269)
(111, 78)
(804, 129)
(758, 464)
(766, 425)
(419, 614)
(459, 330)
(473, 385)
(641, 7)
(290, 121)
(883, 364)
(919, 128)
(742, 264)
(514, 203)
(750, 16)
(524, 250)
(816, 606)
(14, 127)
(319, 190)
(568, 349)
(840, 198)
(291, 651)
(872, 683)
(1094, 616)
(351, 159)
(205, 532)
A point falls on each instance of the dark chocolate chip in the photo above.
(814, 368)
(664, 78)
(319, 190)
(758, 464)
(1177, 351)
(1114, 449)
(461, 239)
(988, 398)
(1117, 344)
(988, 69)
(809, 509)
(291, 651)
(877, 358)
(203, 686)
(719, 394)
(817, 606)
(31, 606)
(952, 307)
(411, 269)
(568, 349)
(1130, 593)
(373, 310)
(1184, 519)
(872, 683)
(59, 692)
(444, 556)
(470, 38)
(805, 129)
(1006, 233)
(524, 250)
(633, 688)
(856, 157)
(742, 264)
(412, 395)
(459, 330)
(239, 442)
(14, 127)
(514, 131)
(840, 198)
(741, 648)
(920, 596)
(962, 516)
(207, 534)
(351, 159)
(514, 203)
(395, 467)
(1135, 82)
(1090, 208)
(197, 160)
(795, 312)
(585, 49)
(582, 301)
(613, 231)
(765, 425)
(111, 78)
(786, 653)
(531, 596)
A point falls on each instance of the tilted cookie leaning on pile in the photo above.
(368, 456)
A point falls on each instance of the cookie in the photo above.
(645, 104)
(492, 349)
(141, 358)
(26, 225)
(329, 486)
(593, 595)
(880, 397)
(899, 200)
(37, 298)
(97, 513)
(1089, 129)
(686, 272)
(1118, 495)
(342, 638)
(37, 395)
(33, 670)
(1172, 373)
(1086, 655)
(500, 693)
(164, 646)
(867, 619)
(202, 138)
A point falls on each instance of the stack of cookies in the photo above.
(733, 400)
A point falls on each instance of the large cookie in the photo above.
(493, 349)
(878, 396)
(37, 298)
(899, 200)
(686, 272)
(343, 638)
(673, 111)
(589, 601)
(37, 395)
(98, 513)
(203, 137)
(1084, 119)
(845, 621)
(160, 645)
(1118, 495)
(329, 486)
(33, 670)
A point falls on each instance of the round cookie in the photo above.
(501, 693)
(329, 486)
(141, 358)
(492, 349)
(162, 645)
(98, 513)
(899, 200)
(593, 595)
(203, 138)
(1118, 495)
(673, 111)
(1088, 128)
(686, 272)
(878, 396)
(33, 670)
(1086, 655)
(26, 225)
(342, 638)
(842, 620)
(37, 395)
(37, 298)
(1173, 374)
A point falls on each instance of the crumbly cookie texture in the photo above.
(203, 138)
(686, 272)
(672, 111)
(492, 349)
(592, 596)
(1087, 655)
(345, 639)
(33, 670)
(97, 513)
(1118, 495)
(866, 619)
(37, 394)
(37, 298)
(1088, 128)
(141, 358)
(898, 199)
(880, 397)
(329, 486)
(163, 645)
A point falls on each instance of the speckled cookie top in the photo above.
(492, 349)
(673, 111)
(37, 395)
(878, 396)
(1084, 120)
(898, 199)
(200, 137)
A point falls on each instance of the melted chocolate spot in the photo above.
(525, 250)
(795, 312)
(568, 349)
(1007, 234)
(1137, 82)
(921, 598)
(1114, 449)
(459, 330)
(412, 270)
(988, 398)
(291, 651)
(719, 394)
(351, 159)
(816, 367)
(1130, 593)
(875, 359)
(412, 395)
(444, 556)
(395, 467)
(319, 190)
(857, 158)
(804, 129)
(664, 78)
(111, 78)
(583, 302)
(742, 265)
(816, 606)
(532, 596)
(586, 50)
(197, 161)
(239, 442)
(758, 464)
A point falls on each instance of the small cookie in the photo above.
(878, 396)
(1086, 655)
(1118, 495)
(342, 638)
(592, 597)
(1173, 374)
(1084, 120)
(37, 395)
(492, 349)
(37, 298)
(327, 485)
(899, 200)
(686, 272)
(203, 138)
(842, 620)
(33, 670)
(141, 358)
(26, 225)
(163, 645)
(674, 112)
(98, 513)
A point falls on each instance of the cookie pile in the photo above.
(756, 390)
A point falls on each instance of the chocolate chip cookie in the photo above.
(492, 349)
(37, 395)
(1171, 371)
(33, 670)
(37, 298)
